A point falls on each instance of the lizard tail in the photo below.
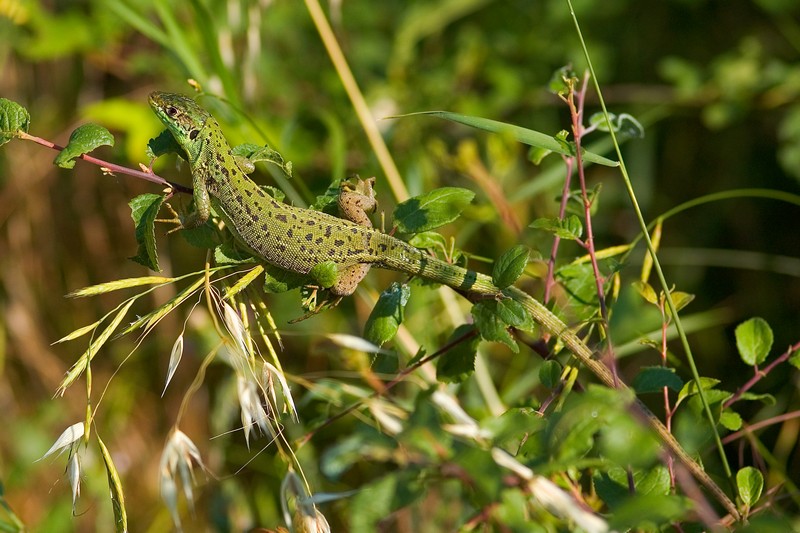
(401, 256)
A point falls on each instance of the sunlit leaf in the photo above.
(754, 340)
(144, 210)
(83, 140)
(387, 315)
(13, 119)
(429, 211)
(523, 135)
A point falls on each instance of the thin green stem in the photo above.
(357, 98)
(652, 250)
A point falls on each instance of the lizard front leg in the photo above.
(202, 203)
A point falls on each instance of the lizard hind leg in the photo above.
(349, 278)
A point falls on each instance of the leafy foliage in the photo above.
(411, 450)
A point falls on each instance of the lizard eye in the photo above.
(171, 111)
(193, 134)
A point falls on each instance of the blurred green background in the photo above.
(716, 85)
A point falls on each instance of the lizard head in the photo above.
(181, 115)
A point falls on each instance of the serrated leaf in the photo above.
(570, 227)
(754, 340)
(205, 236)
(749, 484)
(144, 211)
(655, 378)
(491, 326)
(387, 315)
(511, 312)
(255, 154)
(550, 374)
(83, 140)
(458, 362)
(164, 143)
(277, 280)
(230, 254)
(510, 266)
(325, 274)
(523, 135)
(13, 119)
(432, 210)
(646, 291)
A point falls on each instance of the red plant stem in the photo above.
(112, 167)
(562, 211)
(758, 374)
(577, 131)
(668, 411)
(758, 425)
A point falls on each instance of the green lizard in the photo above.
(297, 240)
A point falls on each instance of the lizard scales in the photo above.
(291, 238)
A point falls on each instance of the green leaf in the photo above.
(256, 154)
(794, 359)
(431, 210)
(649, 512)
(523, 135)
(84, 139)
(277, 280)
(13, 119)
(163, 144)
(230, 254)
(625, 441)
(206, 236)
(765, 398)
(144, 210)
(561, 79)
(550, 374)
(730, 420)
(690, 389)
(749, 484)
(624, 124)
(458, 362)
(754, 340)
(387, 315)
(325, 274)
(569, 228)
(509, 267)
(646, 291)
(655, 378)
(491, 326)
(681, 300)
(427, 240)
